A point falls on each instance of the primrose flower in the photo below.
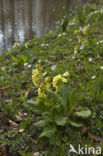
(64, 33)
(76, 48)
(90, 60)
(35, 72)
(50, 32)
(40, 92)
(27, 45)
(36, 77)
(25, 64)
(53, 67)
(73, 57)
(15, 45)
(29, 66)
(85, 30)
(39, 61)
(79, 39)
(66, 74)
(93, 77)
(46, 79)
(47, 85)
(44, 73)
(76, 31)
(59, 35)
(81, 47)
(80, 28)
(47, 45)
(42, 44)
(57, 80)
(75, 51)
(101, 67)
(2, 68)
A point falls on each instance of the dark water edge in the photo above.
(26, 18)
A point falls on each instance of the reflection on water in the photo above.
(26, 18)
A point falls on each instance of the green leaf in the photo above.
(48, 131)
(54, 97)
(60, 119)
(83, 114)
(41, 123)
(48, 116)
(12, 133)
(35, 106)
(76, 124)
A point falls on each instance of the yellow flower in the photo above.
(47, 86)
(40, 92)
(76, 48)
(57, 80)
(15, 45)
(79, 39)
(47, 79)
(76, 31)
(85, 30)
(26, 45)
(66, 74)
(35, 72)
(35, 77)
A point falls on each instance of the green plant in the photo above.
(57, 109)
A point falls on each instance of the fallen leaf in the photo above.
(19, 116)
(36, 154)
(25, 114)
(2, 154)
(8, 100)
(95, 138)
(27, 93)
(21, 130)
(2, 90)
(13, 124)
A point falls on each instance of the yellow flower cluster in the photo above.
(36, 77)
(41, 92)
(44, 83)
(43, 86)
(41, 83)
(76, 31)
(15, 45)
(79, 39)
(85, 30)
(26, 44)
(59, 79)
(76, 48)
(66, 74)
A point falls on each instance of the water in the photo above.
(26, 18)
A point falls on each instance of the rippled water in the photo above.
(26, 18)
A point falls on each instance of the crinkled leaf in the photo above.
(41, 123)
(34, 106)
(48, 131)
(76, 124)
(83, 114)
(60, 119)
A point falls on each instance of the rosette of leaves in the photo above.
(56, 110)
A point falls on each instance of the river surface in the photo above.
(26, 18)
